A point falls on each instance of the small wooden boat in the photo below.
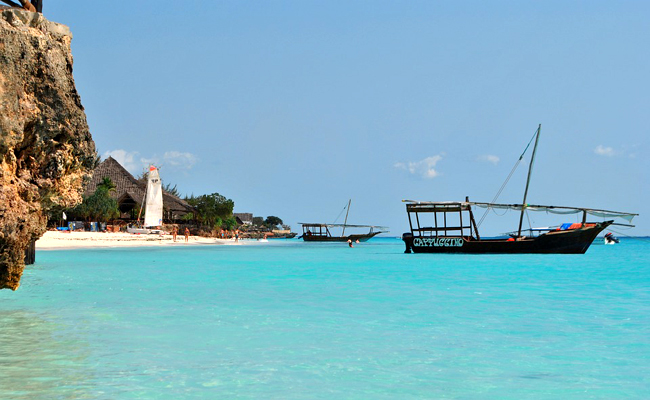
(450, 227)
(314, 232)
(318, 232)
(289, 235)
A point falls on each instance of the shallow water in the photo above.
(290, 320)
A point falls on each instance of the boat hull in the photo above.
(354, 238)
(575, 241)
(283, 236)
(143, 231)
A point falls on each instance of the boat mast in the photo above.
(144, 197)
(346, 218)
(530, 170)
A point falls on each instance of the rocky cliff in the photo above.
(46, 151)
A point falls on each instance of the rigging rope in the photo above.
(507, 179)
(341, 213)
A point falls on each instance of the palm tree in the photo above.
(107, 184)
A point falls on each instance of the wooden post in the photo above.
(530, 171)
(346, 218)
(30, 253)
(410, 222)
(435, 219)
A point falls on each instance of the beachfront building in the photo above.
(129, 193)
(243, 218)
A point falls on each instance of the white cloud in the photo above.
(136, 164)
(489, 158)
(180, 160)
(604, 151)
(146, 162)
(125, 158)
(424, 168)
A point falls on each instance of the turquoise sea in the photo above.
(290, 320)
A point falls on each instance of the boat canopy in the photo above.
(449, 206)
(316, 225)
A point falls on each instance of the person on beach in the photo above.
(187, 235)
(237, 236)
(174, 232)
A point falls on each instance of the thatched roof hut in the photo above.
(129, 192)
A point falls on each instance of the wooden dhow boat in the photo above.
(319, 232)
(450, 227)
(315, 232)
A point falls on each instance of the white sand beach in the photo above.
(73, 240)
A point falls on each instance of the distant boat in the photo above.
(289, 235)
(610, 238)
(450, 227)
(152, 204)
(320, 232)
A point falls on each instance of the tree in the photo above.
(230, 223)
(142, 177)
(258, 221)
(99, 206)
(106, 183)
(171, 190)
(212, 209)
(272, 221)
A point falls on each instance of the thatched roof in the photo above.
(126, 184)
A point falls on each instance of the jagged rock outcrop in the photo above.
(46, 150)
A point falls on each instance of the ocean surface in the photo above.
(290, 320)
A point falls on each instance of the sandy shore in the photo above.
(74, 240)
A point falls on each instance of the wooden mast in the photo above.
(346, 218)
(144, 197)
(530, 170)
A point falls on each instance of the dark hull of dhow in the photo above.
(354, 238)
(575, 241)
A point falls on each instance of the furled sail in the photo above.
(154, 201)
(559, 210)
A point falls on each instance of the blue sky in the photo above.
(291, 108)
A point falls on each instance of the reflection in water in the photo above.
(37, 361)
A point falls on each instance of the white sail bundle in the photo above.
(154, 201)
(558, 210)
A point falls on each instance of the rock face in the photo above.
(46, 151)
